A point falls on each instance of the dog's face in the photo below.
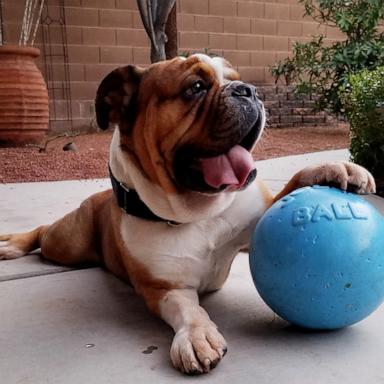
(189, 124)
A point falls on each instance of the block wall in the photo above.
(103, 34)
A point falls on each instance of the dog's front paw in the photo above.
(343, 174)
(197, 349)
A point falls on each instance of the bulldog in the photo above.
(185, 194)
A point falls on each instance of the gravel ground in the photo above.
(91, 159)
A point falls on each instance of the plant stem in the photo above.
(31, 20)
(2, 38)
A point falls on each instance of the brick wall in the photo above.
(103, 34)
(286, 109)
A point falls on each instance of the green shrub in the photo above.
(363, 103)
(320, 67)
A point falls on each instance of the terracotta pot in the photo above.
(23, 96)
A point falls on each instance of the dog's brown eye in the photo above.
(196, 88)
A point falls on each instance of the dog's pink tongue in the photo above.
(231, 168)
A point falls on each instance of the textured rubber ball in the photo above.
(317, 258)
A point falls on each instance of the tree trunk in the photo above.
(158, 52)
(159, 20)
(171, 47)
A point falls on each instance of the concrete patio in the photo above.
(60, 325)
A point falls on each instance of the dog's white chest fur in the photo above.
(196, 255)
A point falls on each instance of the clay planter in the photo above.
(23, 97)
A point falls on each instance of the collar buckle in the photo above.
(122, 185)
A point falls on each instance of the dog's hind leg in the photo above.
(20, 244)
(72, 240)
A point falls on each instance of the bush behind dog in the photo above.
(363, 102)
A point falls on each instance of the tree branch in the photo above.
(146, 18)
(163, 13)
(154, 9)
(155, 15)
(171, 46)
(43, 147)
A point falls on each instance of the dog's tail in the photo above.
(19, 244)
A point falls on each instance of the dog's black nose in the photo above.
(243, 90)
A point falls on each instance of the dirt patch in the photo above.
(277, 142)
(91, 159)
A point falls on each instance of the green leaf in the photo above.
(322, 67)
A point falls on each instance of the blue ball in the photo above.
(317, 258)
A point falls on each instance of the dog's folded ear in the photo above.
(115, 95)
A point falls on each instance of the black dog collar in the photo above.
(129, 200)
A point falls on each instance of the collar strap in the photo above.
(129, 200)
